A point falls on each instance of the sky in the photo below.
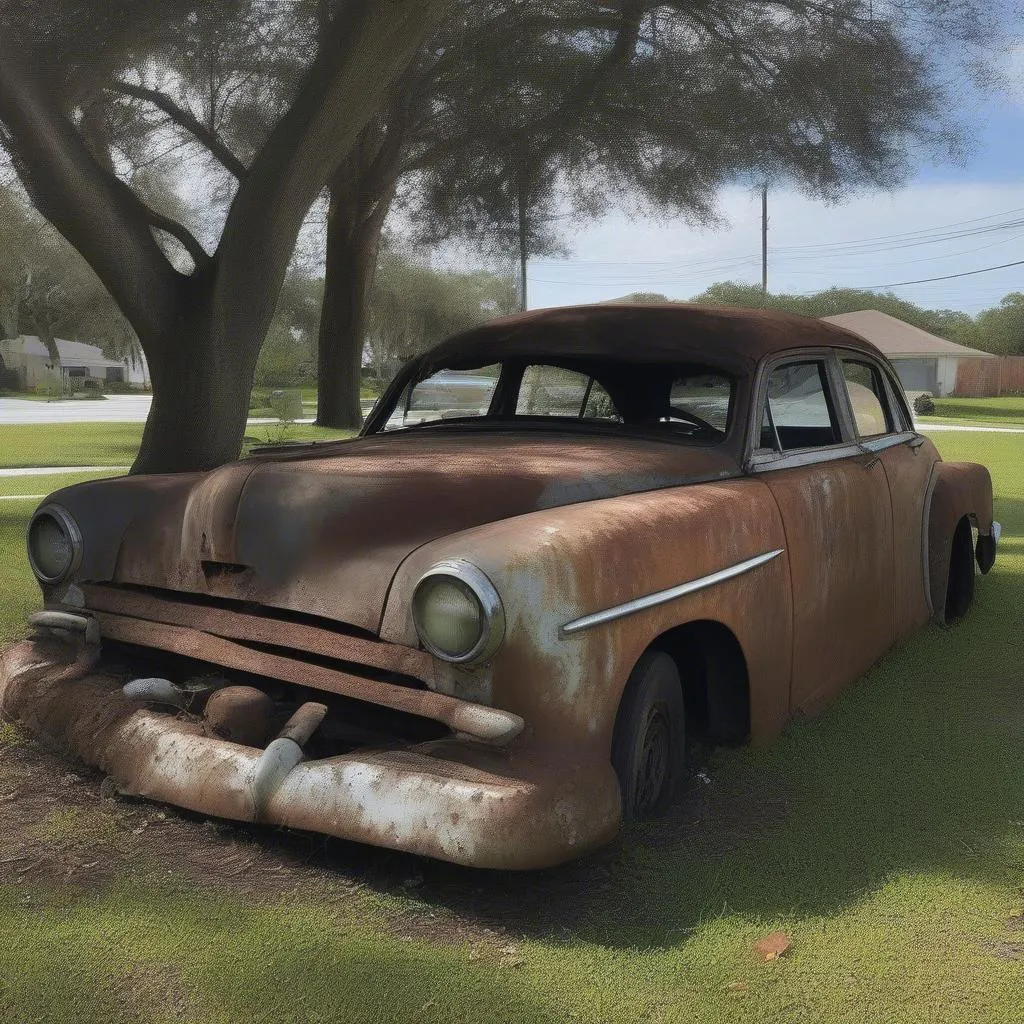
(946, 220)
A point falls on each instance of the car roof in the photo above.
(725, 337)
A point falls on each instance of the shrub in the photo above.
(924, 404)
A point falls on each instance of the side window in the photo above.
(867, 398)
(898, 404)
(799, 410)
(554, 391)
(707, 396)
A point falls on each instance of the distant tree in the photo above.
(946, 323)
(1001, 330)
(412, 307)
(643, 298)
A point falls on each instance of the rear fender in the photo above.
(958, 489)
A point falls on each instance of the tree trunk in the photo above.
(202, 379)
(353, 243)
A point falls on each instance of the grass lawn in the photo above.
(886, 837)
(111, 444)
(1003, 412)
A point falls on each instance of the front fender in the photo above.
(557, 565)
(105, 511)
(958, 489)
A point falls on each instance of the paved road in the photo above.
(114, 409)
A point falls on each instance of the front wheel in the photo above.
(649, 745)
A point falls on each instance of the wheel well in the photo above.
(716, 685)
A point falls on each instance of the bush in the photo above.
(924, 404)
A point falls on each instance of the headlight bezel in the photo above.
(74, 534)
(492, 611)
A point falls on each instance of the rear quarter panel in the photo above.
(554, 566)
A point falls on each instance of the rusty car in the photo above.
(491, 633)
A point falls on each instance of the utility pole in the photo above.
(764, 238)
(523, 244)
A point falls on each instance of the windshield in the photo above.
(693, 402)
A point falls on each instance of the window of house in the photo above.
(799, 412)
(867, 398)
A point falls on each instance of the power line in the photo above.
(947, 277)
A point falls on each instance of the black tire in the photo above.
(649, 744)
(960, 588)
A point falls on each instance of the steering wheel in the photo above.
(693, 418)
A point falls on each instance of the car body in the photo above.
(486, 629)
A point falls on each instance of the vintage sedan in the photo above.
(489, 631)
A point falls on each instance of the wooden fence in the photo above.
(990, 378)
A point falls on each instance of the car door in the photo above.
(884, 426)
(834, 500)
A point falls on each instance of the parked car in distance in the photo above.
(490, 635)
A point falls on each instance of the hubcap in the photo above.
(652, 769)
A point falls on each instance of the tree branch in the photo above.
(99, 215)
(363, 50)
(187, 120)
(200, 257)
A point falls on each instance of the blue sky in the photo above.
(978, 206)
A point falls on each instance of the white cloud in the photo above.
(616, 256)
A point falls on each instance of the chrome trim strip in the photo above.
(879, 444)
(662, 596)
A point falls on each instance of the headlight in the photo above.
(54, 544)
(458, 613)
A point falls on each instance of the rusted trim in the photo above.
(662, 596)
(235, 625)
(491, 725)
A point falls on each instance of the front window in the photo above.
(445, 395)
(689, 402)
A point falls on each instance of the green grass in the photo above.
(1004, 412)
(110, 444)
(886, 837)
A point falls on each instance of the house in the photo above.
(27, 357)
(924, 362)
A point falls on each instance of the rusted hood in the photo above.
(323, 532)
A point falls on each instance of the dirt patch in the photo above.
(144, 991)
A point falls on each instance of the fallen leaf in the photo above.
(771, 947)
(737, 986)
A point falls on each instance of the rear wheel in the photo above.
(649, 745)
(960, 588)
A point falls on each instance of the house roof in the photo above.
(72, 353)
(898, 339)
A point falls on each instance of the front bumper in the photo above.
(452, 799)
